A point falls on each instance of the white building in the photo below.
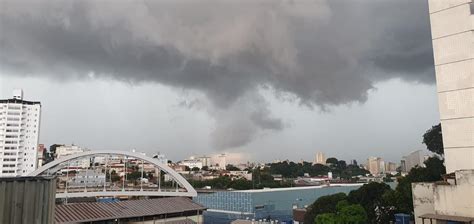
(452, 25)
(320, 158)
(66, 150)
(375, 165)
(191, 163)
(19, 135)
(416, 158)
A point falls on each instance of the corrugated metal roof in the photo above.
(86, 212)
(27, 200)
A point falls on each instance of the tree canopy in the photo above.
(433, 139)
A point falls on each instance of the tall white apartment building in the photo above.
(19, 135)
(452, 31)
(375, 165)
(320, 158)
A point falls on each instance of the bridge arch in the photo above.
(56, 165)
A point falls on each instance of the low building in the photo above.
(89, 178)
(275, 204)
(160, 210)
(67, 150)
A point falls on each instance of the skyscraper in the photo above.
(320, 158)
(19, 135)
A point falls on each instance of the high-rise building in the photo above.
(453, 49)
(19, 135)
(416, 158)
(375, 165)
(320, 158)
(66, 150)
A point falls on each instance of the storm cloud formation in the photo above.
(322, 53)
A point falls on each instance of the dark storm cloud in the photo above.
(324, 53)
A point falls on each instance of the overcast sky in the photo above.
(260, 80)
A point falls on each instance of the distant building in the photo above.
(375, 165)
(19, 135)
(66, 150)
(416, 158)
(320, 158)
(390, 167)
(206, 160)
(403, 166)
(191, 163)
(41, 154)
(89, 178)
(222, 161)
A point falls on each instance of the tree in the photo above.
(205, 168)
(354, 214)
(332, 160)
(433, 139)
(326, 218)
(231, 167)
(324, 204)
(432, 172)
(345, 213)
(195, 169)
(370, 196)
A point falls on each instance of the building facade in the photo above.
(451, 201)
(375, 165)
(320, 158)
(452, 32)
(19, 135)
(416, 158)
(66, 150)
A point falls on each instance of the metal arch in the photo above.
(164, 167)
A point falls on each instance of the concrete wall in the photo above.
(453, 50)
(423, 199)
(457, 200)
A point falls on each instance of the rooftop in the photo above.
(97, 211)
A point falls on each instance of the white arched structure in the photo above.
(56, 165)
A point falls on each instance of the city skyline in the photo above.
(213, 101)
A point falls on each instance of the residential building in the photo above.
(375, 165)
(19, 135)
(320, 158)
(89, 178)
(390, 167)
(191, 163)
(222, 161)
(416, 158)
(451, 201)
(41, 154)
(66, 150)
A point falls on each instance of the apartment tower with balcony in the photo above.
(19, 135)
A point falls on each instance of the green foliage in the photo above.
(345, 214)
(332, 160)
(293, 170)
(433, 139)
(354, 214)
(370, 196)
(326, 218)
(324, 204)
(195, 169)
(231, 167)
(205, 168)
(432, 172)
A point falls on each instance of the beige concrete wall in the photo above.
(453, 48)
(423, 199)
(456, 200)
(438, 5)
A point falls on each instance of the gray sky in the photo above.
(261, 79)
